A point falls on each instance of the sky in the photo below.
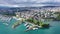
(29, 3)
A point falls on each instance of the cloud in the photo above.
(8, 5)
(23, 3)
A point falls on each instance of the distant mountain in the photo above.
(12, 8)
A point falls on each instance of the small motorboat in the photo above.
(35, 28)
(5, 24)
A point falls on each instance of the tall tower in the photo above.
(18, 14)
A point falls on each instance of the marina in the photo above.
(54, 29)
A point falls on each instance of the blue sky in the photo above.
(29, 3)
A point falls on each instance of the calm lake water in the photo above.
(54, 29)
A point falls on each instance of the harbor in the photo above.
(54, 29)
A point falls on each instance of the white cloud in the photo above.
(8, 5)
(23, 3)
